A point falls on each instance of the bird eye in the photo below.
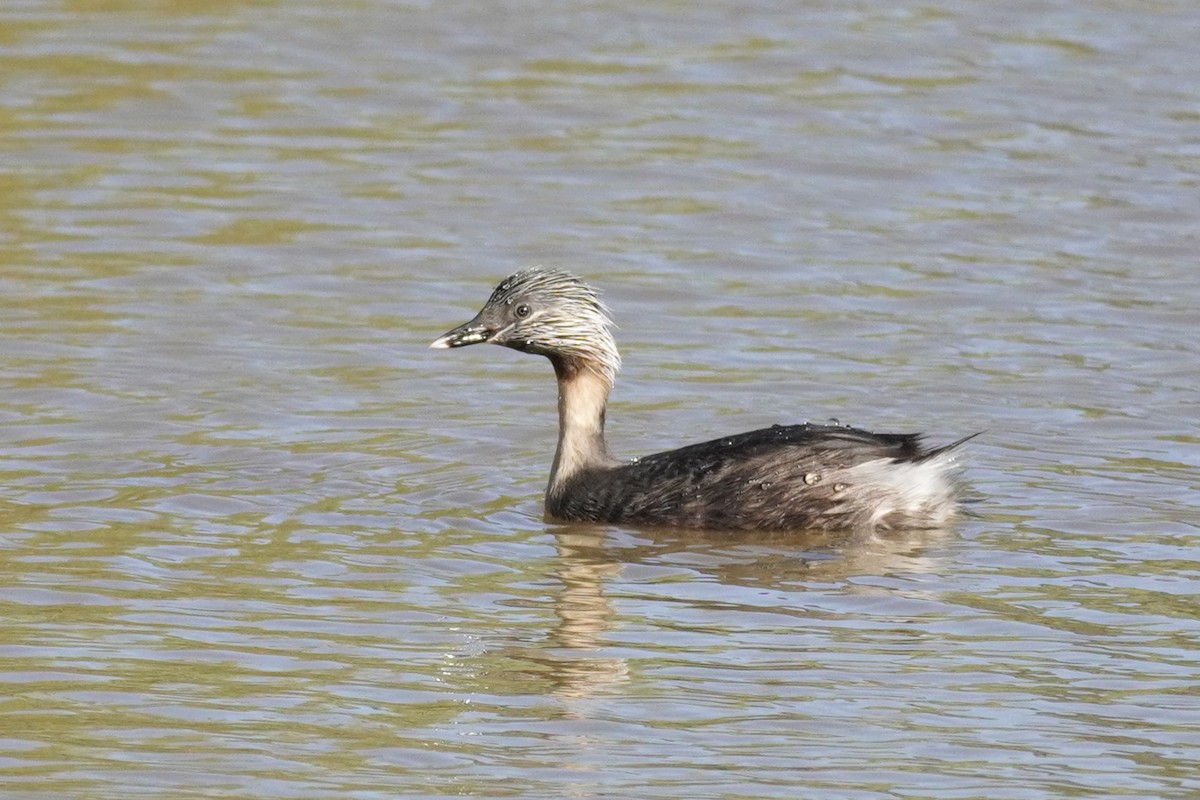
(522, 311)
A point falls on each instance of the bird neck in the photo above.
(582, 397)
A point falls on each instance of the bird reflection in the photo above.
(584, 615)
(589, 557)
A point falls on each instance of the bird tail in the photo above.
(946, 448)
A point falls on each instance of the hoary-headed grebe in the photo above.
(824, 477)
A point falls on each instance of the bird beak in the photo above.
(472, 332)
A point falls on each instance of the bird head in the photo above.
(548, 312)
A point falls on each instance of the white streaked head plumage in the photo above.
(550, 312)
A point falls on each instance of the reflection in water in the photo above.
(787, 560)
(590, 556)
(584, 616)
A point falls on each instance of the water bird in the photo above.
(828, 477)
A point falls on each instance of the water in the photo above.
(258, 541)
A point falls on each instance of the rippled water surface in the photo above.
(257, 540)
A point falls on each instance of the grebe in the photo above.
(824, 477)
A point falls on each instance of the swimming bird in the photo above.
(820, 477)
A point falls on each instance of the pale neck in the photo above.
(582, 397)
